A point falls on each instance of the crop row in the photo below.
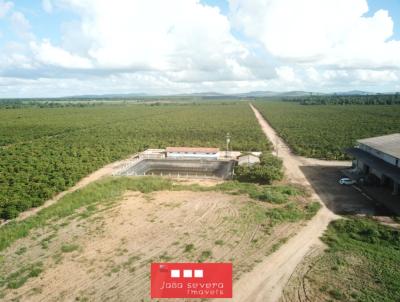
(324, 131)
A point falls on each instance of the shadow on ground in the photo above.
(338, 198)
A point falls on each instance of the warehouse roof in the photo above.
(375, 163)
(389, 144)
(192, 149)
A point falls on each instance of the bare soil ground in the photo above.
(298, 289)
(106, 256)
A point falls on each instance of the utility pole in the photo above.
(228, 141)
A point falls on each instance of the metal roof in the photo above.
(376, 163)
(192, 149)
(389, 144)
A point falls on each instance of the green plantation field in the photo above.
(44, 151)
(323, 131)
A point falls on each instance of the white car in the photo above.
(347, 181)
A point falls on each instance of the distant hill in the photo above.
(201, 94)
(277, 94)
(108, 96)
(257, 94)
(354, 92)
(212, 94)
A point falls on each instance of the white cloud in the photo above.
(334, 75)
(376, 75)
(46, 53)
(5, 7)
(181, 46)
(330, 32)
(21, 25)
(286, 73)
(313, 74)
(47, 6)
(168, 36)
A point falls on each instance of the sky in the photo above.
(54, 48)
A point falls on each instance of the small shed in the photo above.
(152, 154)
(248, 159)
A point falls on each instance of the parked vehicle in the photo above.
(347, 181)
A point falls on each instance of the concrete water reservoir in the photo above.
(181, 168)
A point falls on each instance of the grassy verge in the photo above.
(19, 277)
(361, 264)
(112, 189)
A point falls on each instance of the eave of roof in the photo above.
(375, 163)
(388, 144)
(192, 149)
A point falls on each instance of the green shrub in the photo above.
(267, 171)
(312, 209)
(188, 248)
(336, 294)
(9, 212)
(368, 231)
(68, 248)
(273, 197)
(19, 277)
(290, 212)
(204, 256)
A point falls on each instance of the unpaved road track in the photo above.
(267, 280)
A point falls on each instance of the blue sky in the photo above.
(64, 47)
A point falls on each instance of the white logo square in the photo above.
(187, 273)
(198, 273)
(175, 273)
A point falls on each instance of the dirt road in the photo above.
(267, 280)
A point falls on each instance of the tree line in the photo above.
(378, 99)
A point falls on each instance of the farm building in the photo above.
(377, 160)
(152, 154)
(192, 153)
(248, 159)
